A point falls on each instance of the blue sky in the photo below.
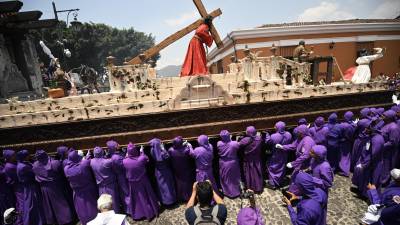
(164, 17)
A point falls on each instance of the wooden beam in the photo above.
(171, 39)
(203, 12)
(10, 6)
(21, 17)
(32, 24)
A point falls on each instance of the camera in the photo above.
(245, 193)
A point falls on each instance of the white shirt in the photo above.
(108, 218)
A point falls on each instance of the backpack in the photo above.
(211, 219)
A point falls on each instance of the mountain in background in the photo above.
(169, 71)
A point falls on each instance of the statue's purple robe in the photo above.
(321, 170)
(250, 216)
(48, 173)
(229, 167)
(252, 167)
(7, 198)
(117, 157)
(10, 171)
(333, 141)
(105, 176)
(276, 166)
(319, 131)
(203, 156)
(371, 163)
(390, 214)
(347, 129)
(163, 173)
(391, 133)
(360, 140)
(302, 146)
(32, 205)
(142, 201)
(183, 168)
(312, 208)
(83, 184)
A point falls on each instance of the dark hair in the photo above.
(302, 42)
(204, 193)
(208, 20)
(363, 52)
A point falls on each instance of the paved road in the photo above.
(343, 208)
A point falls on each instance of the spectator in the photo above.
(205, 212)
(250, 215)
(107, 216)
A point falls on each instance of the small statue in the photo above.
(300, 54)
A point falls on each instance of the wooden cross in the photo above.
(178, 35)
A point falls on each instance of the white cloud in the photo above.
(324, 12)
(182, 19)
(389, 9)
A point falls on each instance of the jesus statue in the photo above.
(195, 60)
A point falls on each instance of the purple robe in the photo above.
(32, 205)
(142, 201)
(10, 171)
(252, 168)
(333, 141)
(391, 134)
(370, 162)
(105, 177)
(277, 164)
(359, 141)
(319, 131)
(117, 158)
(250, 216)
(48, 173)
(203, 156)
(183, 168)
(321, 170)
(312, 208)
(229, 167)
(7, 199)
(390, 214)
(81, 180)
(163, 173)
(347, 129)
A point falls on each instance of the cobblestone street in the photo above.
(344, 208)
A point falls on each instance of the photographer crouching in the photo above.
(249, 215)
(205, 212)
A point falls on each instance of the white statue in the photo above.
(363, 72)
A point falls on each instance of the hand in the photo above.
(289, 165)
(185, 143)
(293, 196)
(279, 146)
(162, 147)
(141, 149)
(80, 152)
(286, 201)
(356, 120)
(367, 146)
(258, 133)
(267, 134)
(373, 208)
(371, 186)
(309, 125)
(359, 166)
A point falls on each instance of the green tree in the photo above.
(91, 44)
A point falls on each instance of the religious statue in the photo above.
(195, 61)
(362, 73)
(300, 53)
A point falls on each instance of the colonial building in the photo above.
(341, 39)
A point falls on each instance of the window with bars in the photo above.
(287, 51)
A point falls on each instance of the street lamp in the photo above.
(75, 23)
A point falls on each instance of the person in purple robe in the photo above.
(142, 201)
(62, 154)
(48, 173)
(183, 168)
(106, 178)
(117, 157)
(83, 184)
(321, 170)
(359, 142)
(203, 156)
(319, 131)
(368, 168)
(252, 166)
(346, 143)
(276, 167)
(32, 204)
(10, 171)
(302, 145)
(390, 199)
(7, 198)
(229, 167)
(163, 173)
(250, 215)
(365, 113)
(301, 121)
(312, 207)
(333, 141)
(391, 133)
